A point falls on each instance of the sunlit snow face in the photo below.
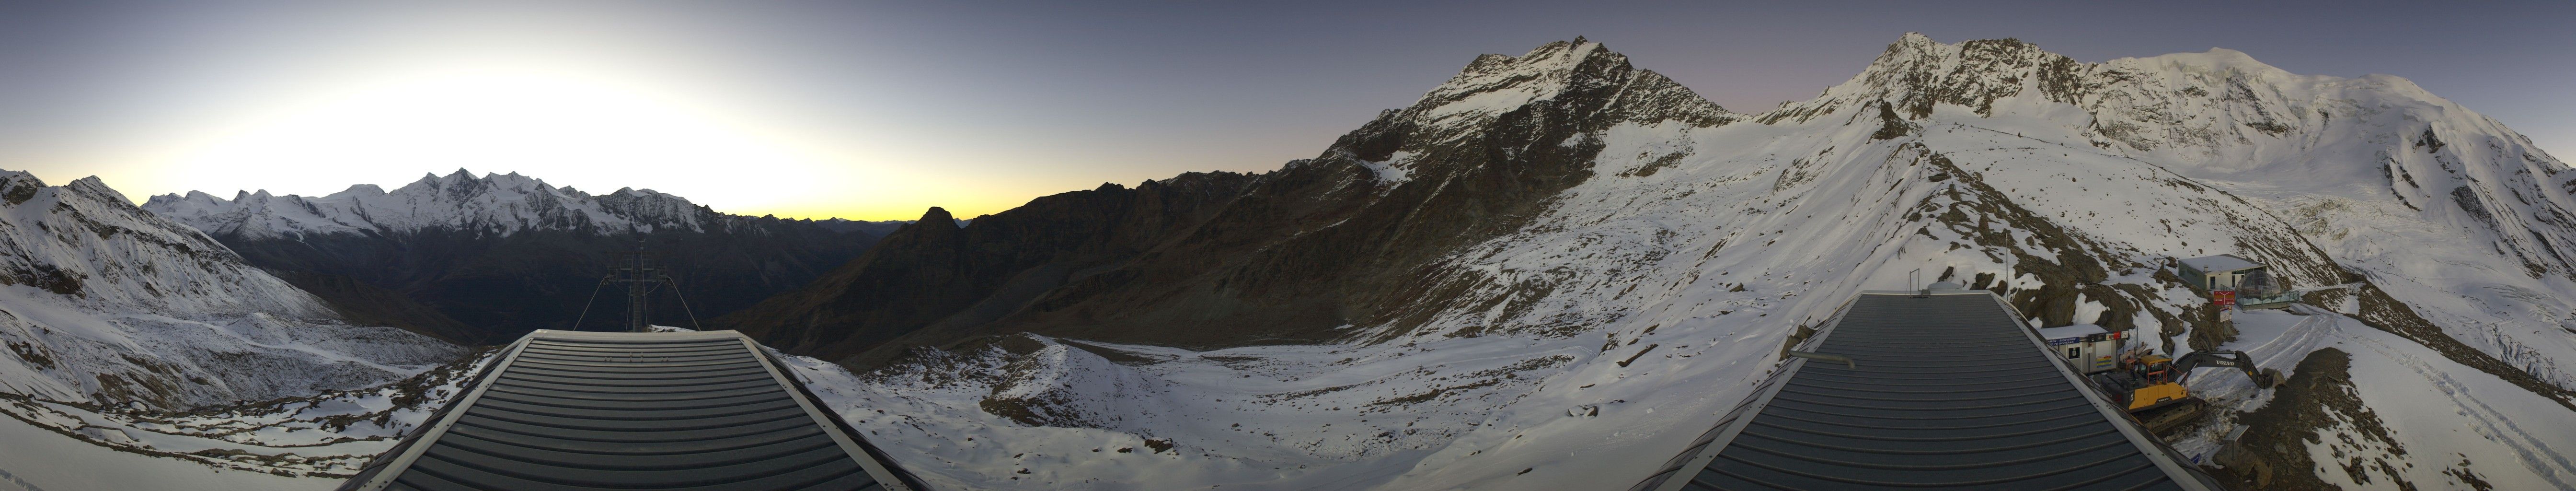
(571, 128)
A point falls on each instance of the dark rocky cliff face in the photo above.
(365, 304)
(935, 273)
(1222, 259)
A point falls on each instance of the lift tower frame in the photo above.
(642, 277)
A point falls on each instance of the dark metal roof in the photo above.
(1950, 391)
(630, 411)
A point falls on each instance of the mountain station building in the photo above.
(2247, 284)
(2224, 272)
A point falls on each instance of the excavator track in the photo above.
(2172, 415)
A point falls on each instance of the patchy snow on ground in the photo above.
(2444, 419)
(1278, 417)
(165, 361)
(2449, 415)
(318, 440)
(37, 459)
(142, 354)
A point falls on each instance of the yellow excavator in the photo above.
(2151, 386)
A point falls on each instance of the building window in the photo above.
(2074, 353)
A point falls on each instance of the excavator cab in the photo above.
(2153, 369)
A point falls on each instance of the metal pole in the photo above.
(594, 298)
(638, 283)
(684, 302)
(1916, 277)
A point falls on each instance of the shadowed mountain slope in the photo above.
(1221, 259)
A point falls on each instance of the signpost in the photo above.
(2223, 297)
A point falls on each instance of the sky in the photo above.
(879, 110)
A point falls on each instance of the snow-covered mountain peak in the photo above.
(494, 203)
(2219, 57)
(1916, 72)
(1553, 62)
(1575, 85)
(96, 188)
(1494, 84)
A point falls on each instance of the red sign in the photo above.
(2223, 297)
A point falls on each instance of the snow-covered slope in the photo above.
(305, 442)
(2443, 208)
(2382, 409)
(106, 303)
(1592, 341)
(88, 245)
(119, 321)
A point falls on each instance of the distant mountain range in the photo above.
(484, 259)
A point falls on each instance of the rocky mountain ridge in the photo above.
(1292, 255)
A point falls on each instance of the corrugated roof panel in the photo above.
(573, 411)
(1949, 391)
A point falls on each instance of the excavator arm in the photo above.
(2263, 377)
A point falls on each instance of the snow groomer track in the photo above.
(1944, 390)
(633, 411)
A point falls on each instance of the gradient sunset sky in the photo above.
(875, 110)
